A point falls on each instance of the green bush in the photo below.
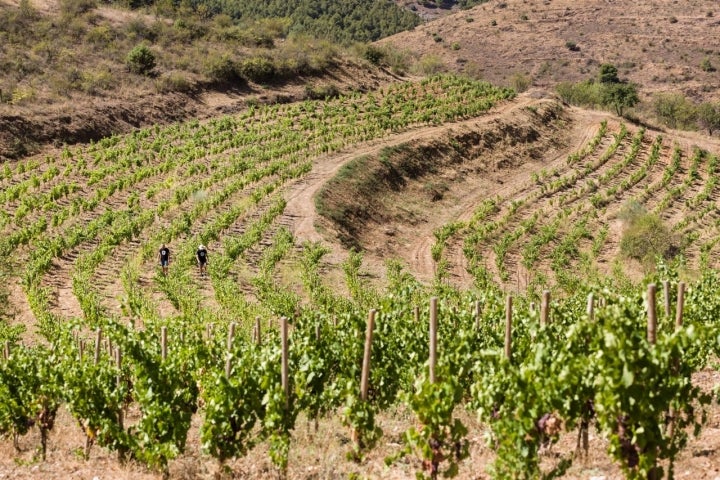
(430, 64)
(257, 69)
(674, 110)
(373, 54)
(76, 7)
(708, 117)
(706, 65)
(587, 94)
(220, 68)
(572, 46)
(140, 60)
(321, 92)
(645, 238)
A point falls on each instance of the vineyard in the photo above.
(515, 318)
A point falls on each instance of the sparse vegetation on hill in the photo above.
(75, 55)
(608, 91)
(658, 46)
(87, 51)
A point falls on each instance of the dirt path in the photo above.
(302, 215)
(300, 211)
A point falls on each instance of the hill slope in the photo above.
(524, 191)
(659, 45)
(66, 77)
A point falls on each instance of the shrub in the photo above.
(373, 54)
(220, 68)
(520, 82)
(706, 66)
(140, 60)
(619, 96)
(256, 69)
(674, 110)
(173, 82)
(97, 80)
(137, 30)
(321, 92)
(430, 64)
(76, 7)
(586, 93)
(455, 46)
(572, 46)
(100, 35)
(397, 60)
(708, 117)
(645, 238)
(608, 73)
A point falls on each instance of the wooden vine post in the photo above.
(163, 343)
(680, 305)
(433, 339)
(652, 315)
(98, 346)
(285, 376)
(416, 313)
(230, 338)
(365, 373)
(653, 474)
(666, 292)
(591, 306)
(367, 354)
(676, 363)
(118, 385)
(258, 331)
(6, 350)
(508, 327)
(478, 311)
(545, 308)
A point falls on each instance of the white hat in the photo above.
(201, 247)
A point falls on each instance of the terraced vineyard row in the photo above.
(83, 229)
(76, 220)
(565, 222)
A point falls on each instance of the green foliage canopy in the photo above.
(343, 21)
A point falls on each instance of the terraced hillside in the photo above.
(449, 181)
(83, 225)
(532, 200)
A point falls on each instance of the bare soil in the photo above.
(656, 44)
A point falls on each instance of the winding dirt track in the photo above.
(300, 211)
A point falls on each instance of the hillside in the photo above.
(660, 45)
(66, 77)
(353, 207)
(456, 183)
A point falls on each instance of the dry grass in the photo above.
(659, 45)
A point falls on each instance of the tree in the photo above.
(609, 73)
(141, 60)
(674, 110)
(708, 117)
(620, 96)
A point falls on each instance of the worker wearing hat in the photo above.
(202, 258)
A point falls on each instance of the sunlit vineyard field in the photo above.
(543, 328)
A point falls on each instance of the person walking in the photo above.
(164, 255)
(202, 259)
